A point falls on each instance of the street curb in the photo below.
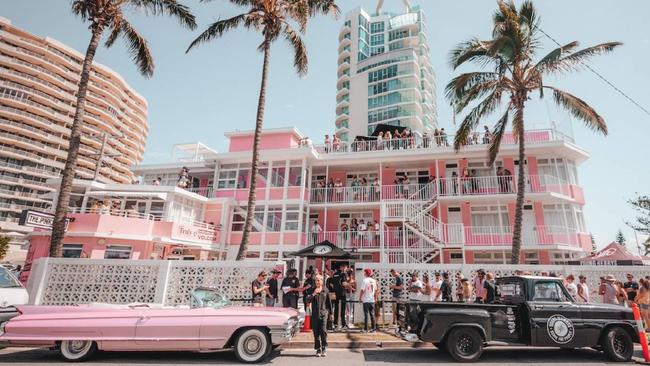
(357, 345)
(640, 361)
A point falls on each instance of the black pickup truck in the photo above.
(528, 311)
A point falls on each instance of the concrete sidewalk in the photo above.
(354, 339)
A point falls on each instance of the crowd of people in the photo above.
(359, 189)
(356, 232)
(108, 207)
(400, 139)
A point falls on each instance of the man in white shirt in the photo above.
(435, 287)
(415, 287)
(368, 296)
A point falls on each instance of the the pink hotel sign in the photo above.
(194, 233)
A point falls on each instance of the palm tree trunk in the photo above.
(63, 200)
(250, 207)
(521, 186)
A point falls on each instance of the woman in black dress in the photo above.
(320, 311)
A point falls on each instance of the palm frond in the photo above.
(473, 50)
(83, 8)
(549, 61)
(167, 7)
(459, 85)
(138, 48)
(471, 121)
(116, 31)
(576, 61)
(326, 7)
(299, 50)
(497, 136)
(579, 109)
(475, 93)
(217, 29)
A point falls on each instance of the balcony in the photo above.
(533, 137)
(501, 236)
(347, 239)
(365, 194)
(504, 184)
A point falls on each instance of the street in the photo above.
(501, 356)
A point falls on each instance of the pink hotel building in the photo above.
(436, 216)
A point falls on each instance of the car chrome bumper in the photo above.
(284, 335)
(8, 313)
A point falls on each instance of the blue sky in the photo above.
(214, 89)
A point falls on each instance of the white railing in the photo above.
(347, 239)
(358, 194)
(536, 235)
(440, 141)
(203, 191)
(134, 214)
(504, 184)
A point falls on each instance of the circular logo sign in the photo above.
(560, 329)
(322, 249)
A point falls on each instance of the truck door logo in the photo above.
(560, 329)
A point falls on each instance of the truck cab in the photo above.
(528, 311)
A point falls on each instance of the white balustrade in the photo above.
(358, 194)
(347, 239)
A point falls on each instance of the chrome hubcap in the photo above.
(252, 345)
(619, 344)
(77, 346)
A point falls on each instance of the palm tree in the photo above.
(106, 15)
(508, 70)
(273, 19)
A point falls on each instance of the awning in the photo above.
(325, 250)
(130, 194)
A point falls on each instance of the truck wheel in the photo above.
(618, 345)
(77, 351)
(465, 344)
(252, 346)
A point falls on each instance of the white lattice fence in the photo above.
(593, 273)
(64, 281)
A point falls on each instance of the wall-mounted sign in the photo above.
(322, 249)
(42, 220)
(195, 232)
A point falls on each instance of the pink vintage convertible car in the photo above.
(210, 323)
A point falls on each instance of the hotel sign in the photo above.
(197, 233)
(42, 220)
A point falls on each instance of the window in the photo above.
(238, 222)
(489, 216)
(117, 252)
(398, 34)
(252, 255)
(377, 27)
(277, 174)
(271, 256)
(292, 216)
(377, 40)
(274, 219)
(72, 250)
(376, 50)
(363, 22)
(227, 179)
(381, 74)
(549, 291)
(348, 23)
(295, 176)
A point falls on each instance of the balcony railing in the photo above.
(134, 214)
(347, 239)
(437, 142)
(359, 194)
(536, 235)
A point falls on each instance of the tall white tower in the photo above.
(384, 73)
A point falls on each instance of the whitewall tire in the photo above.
(252, 346)
(77, 351)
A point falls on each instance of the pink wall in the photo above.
(268, 141)
(578, 194)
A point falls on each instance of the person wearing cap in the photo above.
(272, 282)
(368, 296)
(259, 289)
(291, 289)
(609, 290)
(445, 288)
(583, 290)
(396, 290)
(631, 288)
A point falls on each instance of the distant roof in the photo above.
(292, 130)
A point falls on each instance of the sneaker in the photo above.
(364, 331)
(372, 331)
(318, 353)
(323, 354)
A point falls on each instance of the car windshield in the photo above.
(208, 298)
(7, 280)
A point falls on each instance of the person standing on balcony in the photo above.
(336, 144)
(376, 190)
(406, 182)
(156, 182)
(369, 296)
(330, 189)
(340, 284)
(487, 135)
(443, 137)
(436, 136)
(425, 140)
(364, 189)
(316, 229)
(389, 143)
(411, 138)
(380, 140)
(501, 181)
(474, 180)
(338, 188)
(361, 232)
(344, 232)
(508, 179)
(327, 144)
(454, 182)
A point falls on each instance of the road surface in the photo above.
(498, 356)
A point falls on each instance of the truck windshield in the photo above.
(550, 291)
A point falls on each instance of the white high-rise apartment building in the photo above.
(384, 73)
